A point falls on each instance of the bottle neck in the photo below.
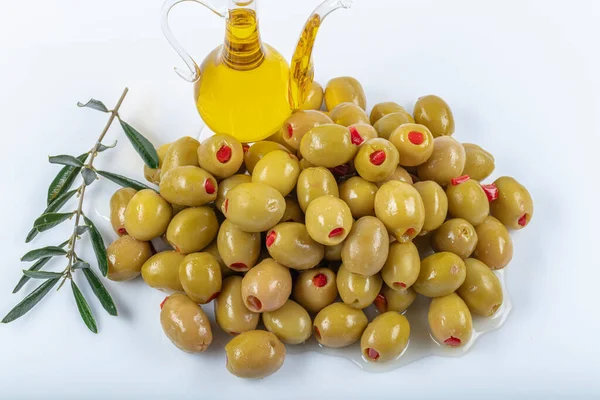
(243, 48)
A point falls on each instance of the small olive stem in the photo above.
(81, 191)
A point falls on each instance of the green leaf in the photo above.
(35, 267)
(123, 181)
(103, 147)
(49, 251)
(100, 291)
(81, 229)
(30, 301)
(142, 145)
(95, 104)
(84, 308)
(31, 235)
(42, 274)
(49, 221)
(65, 160)
(99, 246)
(89, 176)
(63, 181)
(80, 265)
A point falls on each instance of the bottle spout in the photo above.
(301, 68)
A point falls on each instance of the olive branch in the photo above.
(59, 193)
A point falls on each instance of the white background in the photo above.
(522, 77)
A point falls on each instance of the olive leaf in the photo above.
(54, 206)
(48, 251)
(80, 265)
(49, 221)
(89, 176)
(63, 181)
(84, 308)
(65, 160)
(95, 104)
(141, 145)
(100, 291)
(123, 181)
(103, 147)
(30, 301)
(81, 229)
(98, 245)
(42, 274)
(35, 267)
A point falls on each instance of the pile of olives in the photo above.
(336, 212)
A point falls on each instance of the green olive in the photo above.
(376, 160)
(328, 146)
(389, 123)
(293, 212)
(152, 175)
(221, 155)
(239, 249)
(254, 354)
(315, 182)
(290, 244)
(468, 201)
(414, 143)
(446, 162)
(440, 274)
(147, 215)
(435, 202)
(227, 184)
(362, 132)
(213, 249)
(481, 291)
(299, 124)
(200, 276)
(185, 324)
(188, 186)
(258, 150)
(366, 247)
(278, 169)
(479, 163)
(182, 152)
(254, 207)
(402, 266)
(118, 205)
(359, 194)
(126, 257)
(315, 289)
(380, 110)
(328, 220)
(339, 325)
(494, 244)
(514, 206)
(192, 229)
(314, 97)
(291, 323)
(457, 236)
(277, 137)
(356, 290)
(334, 253)
(344, 89)
(385, 338)
(450, 321)
(399, 174)
(400, 207)
(267, 286)
(230, 312)
(161, 271)
(347, 114)
(433, 112)
(394, 300)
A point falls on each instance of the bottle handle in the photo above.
(194, 71)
